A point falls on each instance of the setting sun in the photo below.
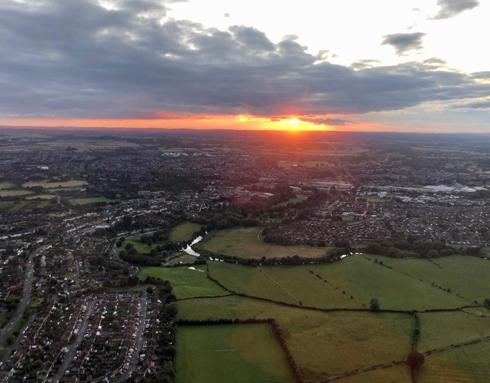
(295, 124)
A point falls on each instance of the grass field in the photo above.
(181, 258)
(14, 193)
(464, 365)
(230, 353)
(87, 200)
(395, 374)
(350, 283)
(186, 283)
(324, 344)
(319, 342)
(184, 232)
(6, 185)
(247, 243)
(55, 184)
(40, 197)
(442, 329)
(464, 276)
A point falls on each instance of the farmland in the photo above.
(350, 283)
(11, 193)
(55, 184)
(187, 283)
(247, 243)
(6, 185)
(230, 353)
(325, 342)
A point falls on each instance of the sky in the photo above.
(348, 65)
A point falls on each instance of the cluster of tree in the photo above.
(143, 260)
(294, 260)
(226, 217)
(423, 249)
(415, 361)
(155, 257)
(279, 334)
(155, 237)
(164, 371)
(374, 305)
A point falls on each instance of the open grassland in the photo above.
(467, 277)
(186, 283)
(184, 232)
(88, 200)
(181, 258)
(320, 343)
(395, 374)
(468, 364)
(247, 243)
(14, 193)
(81, 145)
(326, 344)
(230, 353)
(443, 329)
(6, 185)
(350, 283)
(55, 184)
(40, 197)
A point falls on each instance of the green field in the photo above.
(14, 193)
(40, 197)
(186, 283)
(319, 342)
(325, 344)
(181, 258)
(55, 184)
(467, 276)
(442, 329)
(247, 243)
(463, 365)
(230, 353)
(87, 200)
(184, 232)
(350, 283)
(6, 185)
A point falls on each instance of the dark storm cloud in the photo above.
(404, 42)
(74, 58)
(450, 8)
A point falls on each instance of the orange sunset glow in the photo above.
(169, 121)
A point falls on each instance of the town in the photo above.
(73, 304)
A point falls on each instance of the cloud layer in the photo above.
(77, 59)
(404, 42)
(451, 8)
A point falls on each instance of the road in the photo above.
(138, 343)
(26, 296)
(72, 348)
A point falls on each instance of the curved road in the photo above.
(26, 296)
